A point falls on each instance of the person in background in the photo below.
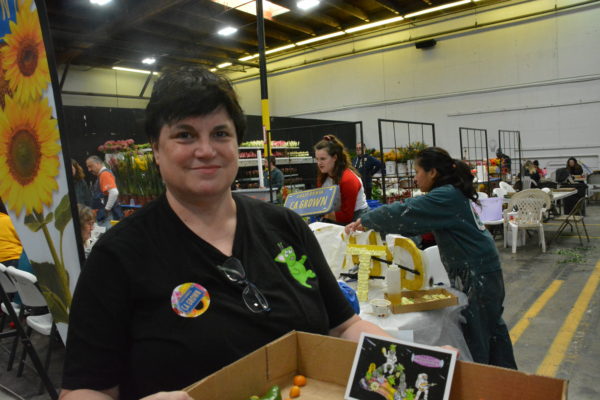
(105, 194)
(10, 245)
(467, 249)
(201, 276)
(82, 191)
(530, 170)
(541, 172)
(573, 167)
(335, 168)
(505, 162)
(276, 176)
(367, 166)
(86, 223)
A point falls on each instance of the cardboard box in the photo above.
(421, 304)
(327, 361)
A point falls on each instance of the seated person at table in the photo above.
(199, 277)
(540, 171)
(573, 167)
(530, 170)
(335, 168)
(467, 249)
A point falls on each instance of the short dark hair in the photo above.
(191, 91)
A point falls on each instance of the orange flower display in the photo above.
(29, 151)
(24, 57)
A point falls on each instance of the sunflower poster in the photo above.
(33, 180)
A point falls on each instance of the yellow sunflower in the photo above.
(29, 150)
(24, 57)
(4, 87)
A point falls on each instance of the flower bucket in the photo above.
(402, 169)
(390, 167)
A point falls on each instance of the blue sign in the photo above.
(312, 202)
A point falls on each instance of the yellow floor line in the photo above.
(582, 236)
(560, 345)
(534, 310)
(559, 223)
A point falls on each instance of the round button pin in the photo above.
(190, 300)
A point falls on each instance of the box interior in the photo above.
(326, 362)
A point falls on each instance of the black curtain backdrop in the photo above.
(89, 127)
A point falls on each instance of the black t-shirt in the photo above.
(123, 330)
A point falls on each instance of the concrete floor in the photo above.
(559, 339)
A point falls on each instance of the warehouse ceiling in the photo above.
(176, 32)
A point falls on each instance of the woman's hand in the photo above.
(354, 226)
(179, 395)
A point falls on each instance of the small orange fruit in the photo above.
(299, 380)
(295, 391)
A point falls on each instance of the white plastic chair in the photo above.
(435, 270)
(31, 296)
(499, 192)
(523, 213)
(10, 309)
(482, 195)
(507, 187)
(537, 194)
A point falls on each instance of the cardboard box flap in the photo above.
(318, 354)
(235, 381)
(282, 359)
(477, 382)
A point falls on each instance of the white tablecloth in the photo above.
(435, 327)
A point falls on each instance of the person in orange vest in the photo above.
(105, 193)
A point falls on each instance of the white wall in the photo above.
(538, 74)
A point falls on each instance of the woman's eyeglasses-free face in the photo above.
(253, 298)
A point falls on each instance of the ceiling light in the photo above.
(228, 30)
(319, 38)
(225, 64)
(275, 50)
(100, 2)
(269, 9)
(307, 4)
(149, 60)
(438, 8)
(374, 24)
(248, 57)
(213, 70)
(139, 71)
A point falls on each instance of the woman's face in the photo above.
(571, 163)
(425, 179)
(198, 155)
(325, 162)
(73, 170)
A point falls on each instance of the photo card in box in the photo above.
(390, 369)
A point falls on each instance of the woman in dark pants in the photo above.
(467, 249)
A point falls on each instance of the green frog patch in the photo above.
(297, 269)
